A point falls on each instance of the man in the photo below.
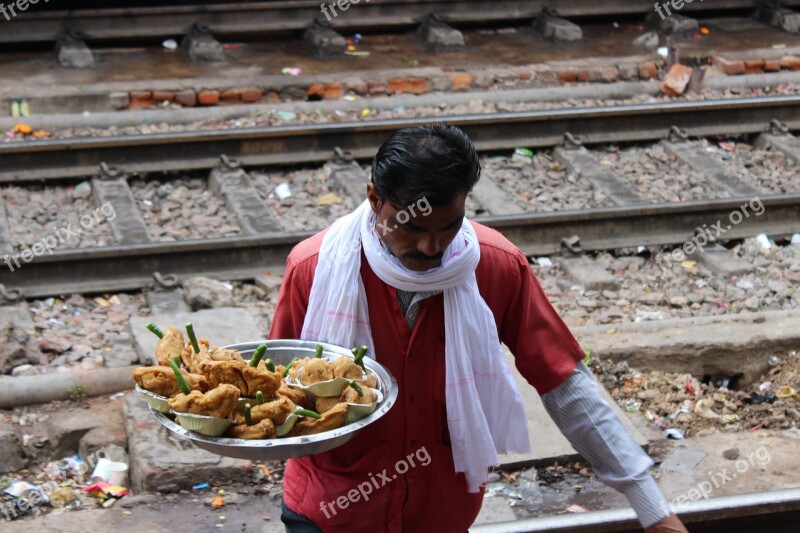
(433, 296)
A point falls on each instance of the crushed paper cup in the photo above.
(210, 426)
(357, 411)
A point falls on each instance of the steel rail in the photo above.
(75, 157)
(776, 511)
(259, 19)
(131, 267)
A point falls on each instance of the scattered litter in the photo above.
(765, 386)
(674, 433)
(116, 396)
(575, 508)
(283, 191)
(778, 46)
(292, 71)
(786, 392)
(663, 51)
(365, 112)
(763, 241)
(286, 115)
(327, 199)
(773, 360)
(544, 262)
(23, 129)
(170, 44)
(217, 502)
(688, 265)
(796, 238)
(19, 488)
(523, 152)
(351, 97)
(704, 30)
(642, 316)
(201, 486)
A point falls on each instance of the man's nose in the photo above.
(429, 245)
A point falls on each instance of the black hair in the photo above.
(433, 161)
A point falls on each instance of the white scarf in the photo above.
(485, 414)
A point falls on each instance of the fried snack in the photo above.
(169, 346)
(219, 402)
(350, 395)
(300, 363)
(276, 410)
(344, 367)
(249, 380)
(333, 418)
(226, 354)
(316, 370)
(265, 429)
(324, 405)
(191, 360)
(161, 380)
(297, 396)
(370, 381)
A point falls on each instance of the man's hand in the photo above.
(671, 524)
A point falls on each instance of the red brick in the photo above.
(333, 91)
(648, 70)
(408, 85)
(567, 76)
(731, 67)
(376, 88)
(316, 91)
(187, 98)
(141, 99)
(163, 96)
(231, 96)
(791, 62)
(677, 80)
(460, 80)
(208, 98)
(252, 94)
(753, 66)
(525, 75)
(772, 66)
(274, 98)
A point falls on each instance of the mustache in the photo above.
(418, 256)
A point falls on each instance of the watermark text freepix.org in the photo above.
(343, 5)
(59, 236)
(698, 243)
(720, 478)
(375, 482)
(10, 11)
(677, 5)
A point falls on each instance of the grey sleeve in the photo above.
(595, 431)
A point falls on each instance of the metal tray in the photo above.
(282, 351)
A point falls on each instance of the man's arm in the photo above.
(595, 431)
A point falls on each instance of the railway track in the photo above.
(132, 263)
(774, 511)
(260, 19)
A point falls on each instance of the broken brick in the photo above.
(460, 80)
(791, 62)
(163, 96)
(648, 70)
(408, 85)
(676, 80)
(230, 96)
(567, 76)
(208, 98)
(753, 66)
(252, 94)
(141, 99)
(731, 67)
(186, 98)
(772, 65)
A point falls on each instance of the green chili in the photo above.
(257, 355)
(360, 352)
(318, 353)
(260, 397)
(270, 364)
(286, 370)
(248, 417)
(192, 337)
(356, 387)
(181, 380)
(305, 412)
(158, 333)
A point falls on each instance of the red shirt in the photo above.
(426, 497)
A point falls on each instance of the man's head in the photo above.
(420, 180)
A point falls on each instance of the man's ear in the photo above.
(374, 198)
